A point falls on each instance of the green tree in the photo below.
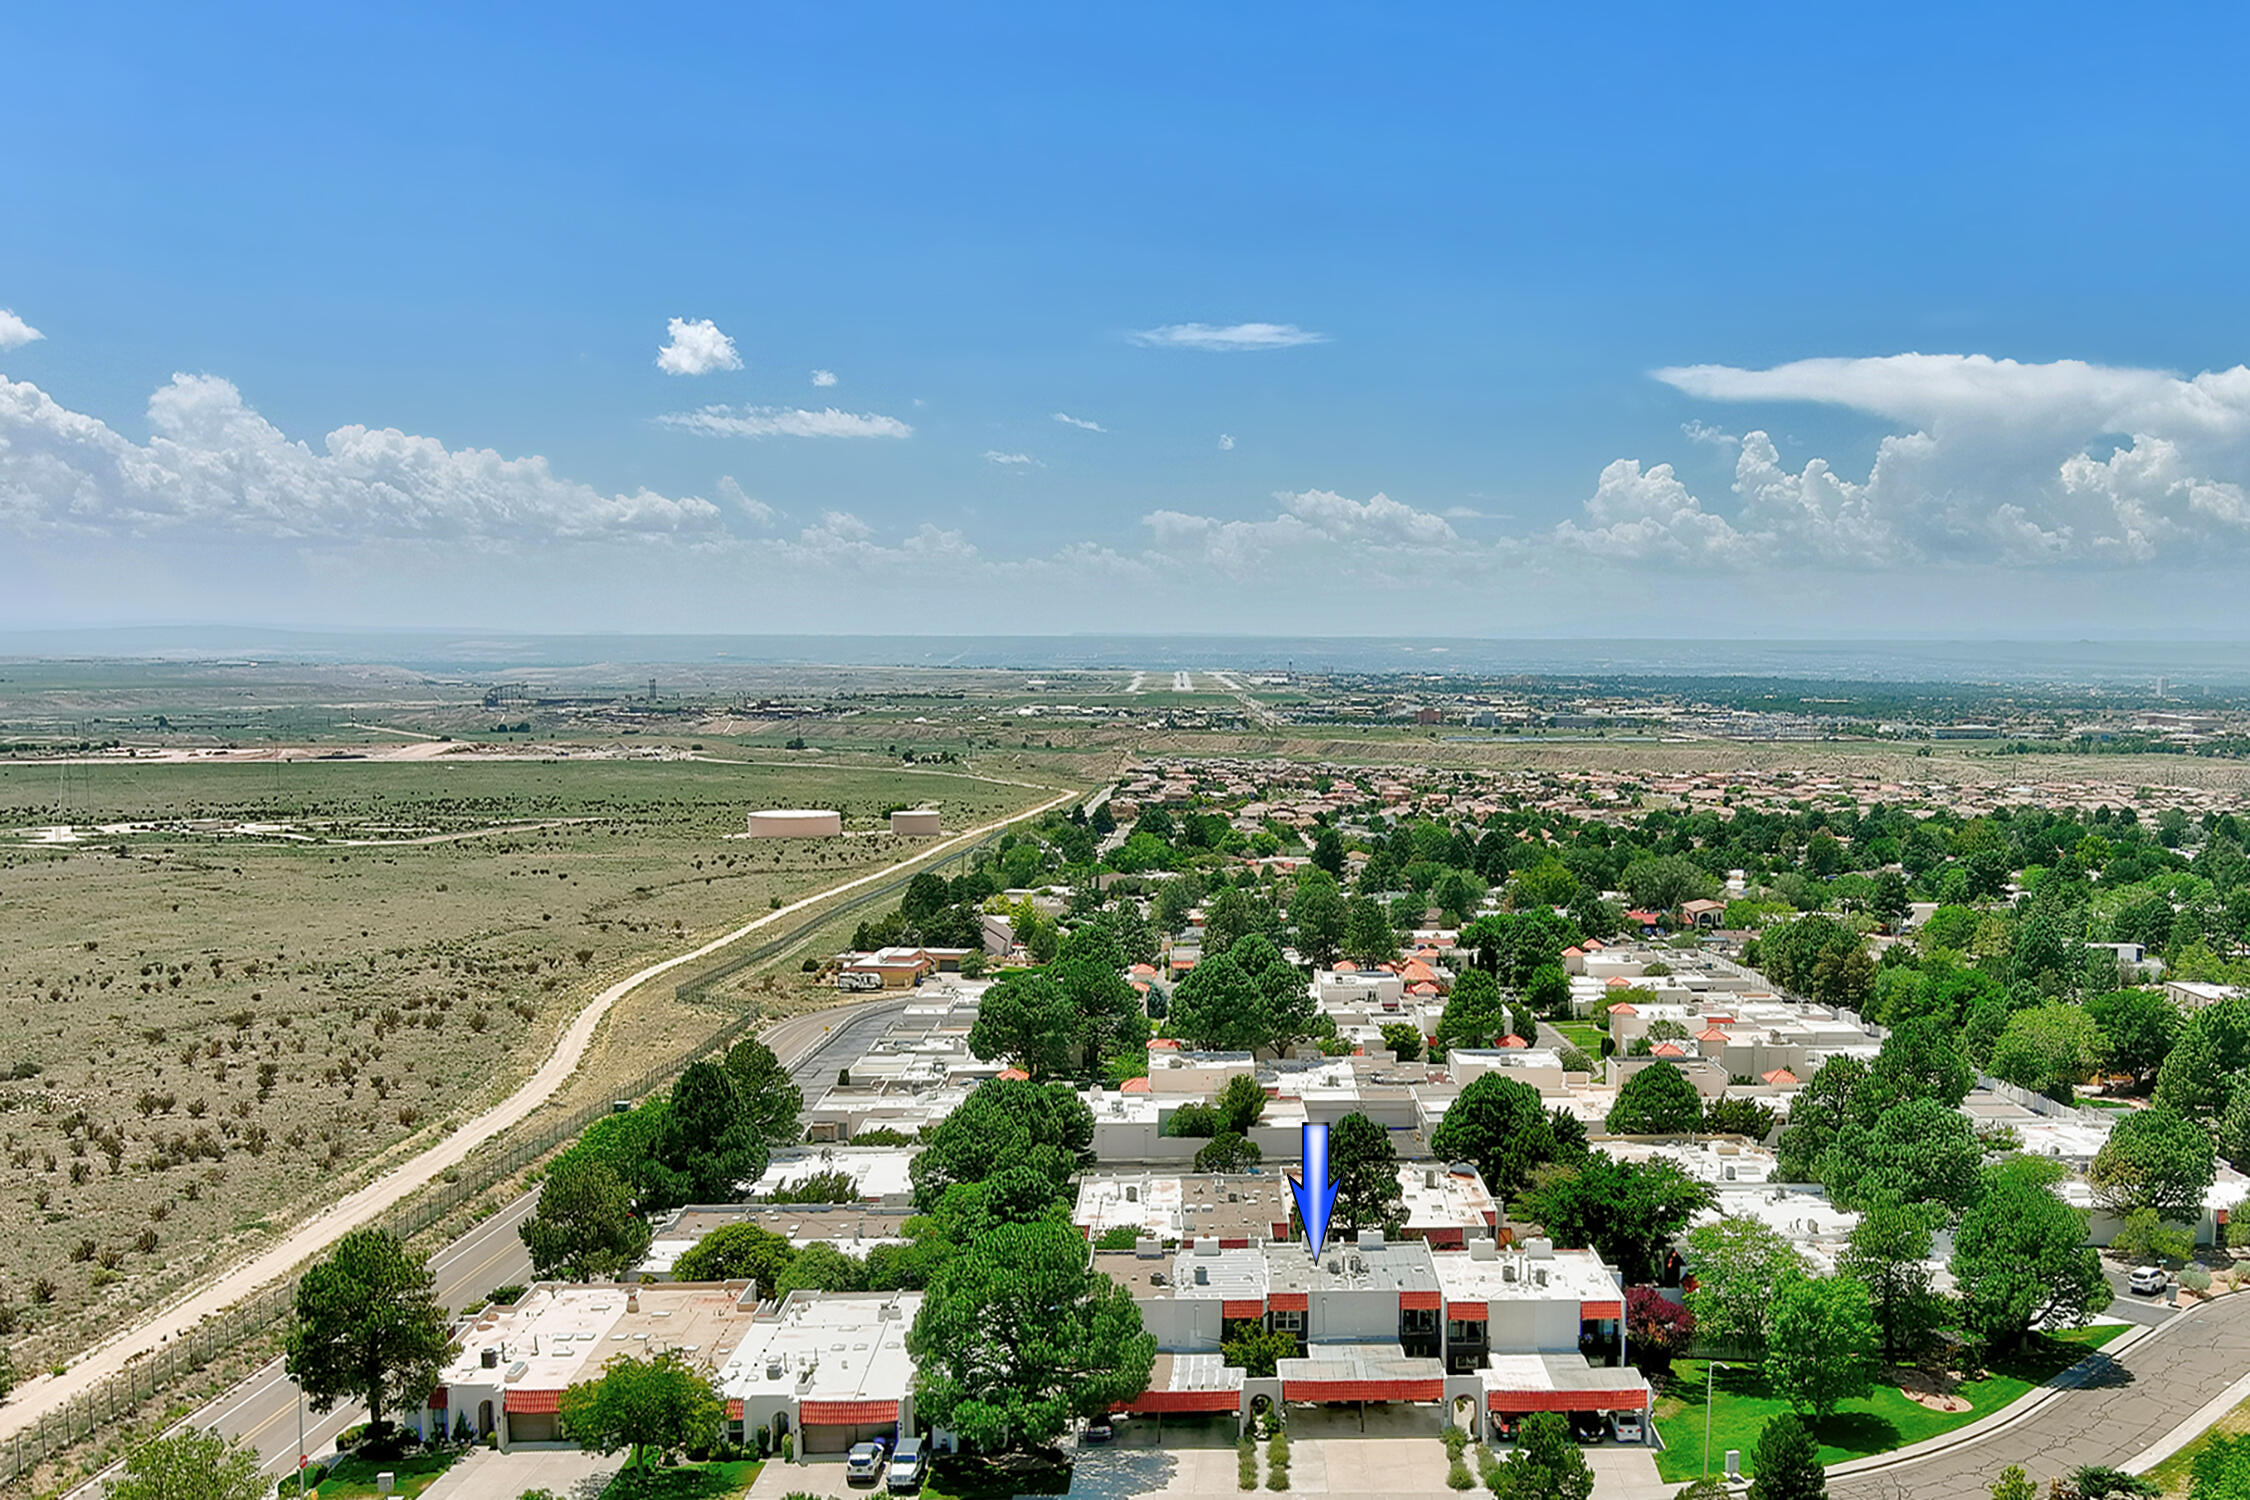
(1245, 998)
(1656, 1100)
(366, 1326)
(2020, 1258)
(1546, 1463)
(2212, 1053)
(1328, 852)
(1239, 1102)
(1228, 1152)
(1786, 1464)
(737, 1252)
(1820, 1349)
(1922, 1151)
(1661, 882)
(190, 1465)
(1629, 1212)
(584, 1226)
(1922, 1058)
(1740, 1266)
(1045, 1129)
(2234, 1127)
(1404, 1039)
(1257, 1350)
(1888, 1253)
(2155, 1159)
(710, 1137)
(821, 1267)
(1475, 1015)
(766, 1090)
(652, 1406)
(1018, 1335)
(1499, 1125)
(1364, 1165)
(1028, 1020)
(2145, 1238)
(1548, 990)
(2049, 1049)
(1369, 937)
(1105, 1009)
(1818, 1114)
(2139, 1028)
(1316, 910)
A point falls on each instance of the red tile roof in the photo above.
(1780, 1076)
(1134, 1086)
(532, 1403)
(845, 1413)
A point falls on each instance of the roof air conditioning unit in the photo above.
(1429, 1178)
(1202, 1275)
(773, 1369)
(1335, 1265)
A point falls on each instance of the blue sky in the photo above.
(1600, 319)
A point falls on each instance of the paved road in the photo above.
(2130, 1402)
(262, 1410)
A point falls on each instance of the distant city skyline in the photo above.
(1448, 323)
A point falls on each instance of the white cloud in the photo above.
(697, 348)
(1230, 338)
(1068, 420)
(1226, 442)
(1319, 522)
(2001, 463)
(15, 332)
(781, 421)
(824, 378)
(213, 463)
(757, 512)
(1012, 460)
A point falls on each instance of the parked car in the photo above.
(1100, 1430)
(864, 1464)
(1504, 1427)
(1588, 1426)
(909, 1467)
(1628, 1426)
(2149, 1281)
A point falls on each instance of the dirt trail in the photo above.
(37, 1397)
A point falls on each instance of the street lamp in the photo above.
(1709, 1367)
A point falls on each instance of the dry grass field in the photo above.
(233, 984)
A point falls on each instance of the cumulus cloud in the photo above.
(2001, 462)
(824, 378)
(755, 511)
(15, 332)
(697, 348)
(1012, 460)
(1226, 442)
(782, 421)
(212, 462)
(1068, 420)
(1228, 338)
(1314, 521)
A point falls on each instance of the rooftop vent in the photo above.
(1132, 1193)
(1202, 1275)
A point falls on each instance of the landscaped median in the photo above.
(1741, 1405)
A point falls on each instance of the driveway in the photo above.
(489, 1475)
(2130, 1402)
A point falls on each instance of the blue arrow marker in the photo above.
(1314, 1191)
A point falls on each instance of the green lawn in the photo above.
(716, 1481)
(1741, 1405)
(354, 1477)
(2172, 1474)
(1584, 1035)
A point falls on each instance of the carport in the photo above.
(1363, 1387)
(1518, 1384)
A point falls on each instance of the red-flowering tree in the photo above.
(1656, 1330)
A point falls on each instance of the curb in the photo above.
(2191, 1429)
(2015, 1411)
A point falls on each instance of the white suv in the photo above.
(2149, 1281)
